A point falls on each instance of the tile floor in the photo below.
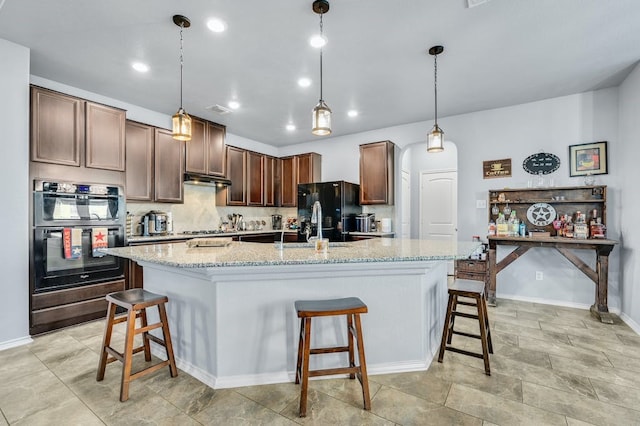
(552, 365)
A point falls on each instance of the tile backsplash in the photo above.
(199, 211)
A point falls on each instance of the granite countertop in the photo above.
(138, 239)
(373, 234)
(263, 254)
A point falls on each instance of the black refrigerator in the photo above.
(339, 202)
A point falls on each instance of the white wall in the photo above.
(627, 157)
(513, 132)
(14, 251)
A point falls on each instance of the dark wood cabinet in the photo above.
(255, 179)
(63, 128)
(205, 152)
(289, 182)
(104, 137)
(57, 127)
(269, 192)
(237, 173)
(309, 167)
(377, 173)
(168, 167)
(139, 161)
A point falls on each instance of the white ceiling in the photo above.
(499, 53)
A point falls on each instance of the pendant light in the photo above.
(321, 113)
(435, 138)
(181, 120)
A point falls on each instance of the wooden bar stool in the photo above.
(136, 302)
(471, 290)
(352, 307)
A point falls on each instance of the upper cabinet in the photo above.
(255, 179)
(295, 169)
(309, 168)
(236, 193)
(376, 173)
(64, 127)
(269, 181)
(206, 153)
(104, 137)
(140, 157)
(168, 167)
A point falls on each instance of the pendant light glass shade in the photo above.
(321, 119)
(181, 120)
(435, 138)
(181, 125)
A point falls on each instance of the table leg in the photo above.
(491, 294)
(600, 309)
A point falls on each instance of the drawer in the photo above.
(471, 276)
(472, 265)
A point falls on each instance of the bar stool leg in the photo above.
(145, 335)
(364, 377)
(483, 335)
(486, 316)
(446, 331)
(305, 367)
(168, 345)
(300, 350)
(454, 309)
(351, 337)
(128, 355)
(106, 341)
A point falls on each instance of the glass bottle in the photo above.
(515, 224)
(502, 228)
(540, 180)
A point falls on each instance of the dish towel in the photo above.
(99, 239)
(72, 243)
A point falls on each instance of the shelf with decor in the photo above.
(539, 207)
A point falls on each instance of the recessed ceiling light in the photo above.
(140, 67)
(352, 113)
(304, 82)
(317, 41)
(216, 25)
(234, 104)
(291, 127)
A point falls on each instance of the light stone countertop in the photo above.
(264, 254)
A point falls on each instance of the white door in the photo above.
(439, 207)
(406, 205)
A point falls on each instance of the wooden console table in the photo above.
(599, 276)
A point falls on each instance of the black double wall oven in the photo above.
(71, 222)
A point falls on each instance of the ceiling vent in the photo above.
(219, 109)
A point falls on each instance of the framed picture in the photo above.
(588, 158)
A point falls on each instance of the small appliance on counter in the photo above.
(155, 223)
(365, 222)
(276, 222)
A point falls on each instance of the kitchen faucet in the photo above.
(316, 217)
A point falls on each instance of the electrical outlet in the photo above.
(539, 276)
(481, 204)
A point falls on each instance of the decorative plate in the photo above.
(541, 214)
(544, 162)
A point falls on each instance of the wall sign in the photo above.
(544, 162)
(496, 168)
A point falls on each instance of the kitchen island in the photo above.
(231, 308)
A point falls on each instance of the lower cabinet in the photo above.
(56, 309)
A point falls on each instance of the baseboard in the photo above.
(630, 322)
(15, 343)
(544, 301)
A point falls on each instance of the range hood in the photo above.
(197, 179)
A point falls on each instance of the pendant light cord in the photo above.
(181, 62)
(322, 37)
(435, 86)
